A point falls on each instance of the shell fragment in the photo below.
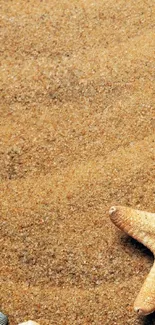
(3, 319)
(29, 322)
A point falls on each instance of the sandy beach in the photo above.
(77, 133)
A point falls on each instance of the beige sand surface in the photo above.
(76, 136)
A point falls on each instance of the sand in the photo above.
(76, 136)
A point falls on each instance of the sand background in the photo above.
(76, 136)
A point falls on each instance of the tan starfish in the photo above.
(141, 226)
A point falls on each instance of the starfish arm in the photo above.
(145, 301)
(141, 226)
(138, 224)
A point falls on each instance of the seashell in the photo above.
(3, 319)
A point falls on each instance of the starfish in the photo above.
(141, 226)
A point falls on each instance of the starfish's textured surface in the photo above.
(141, 226)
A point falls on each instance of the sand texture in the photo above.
(77, 132)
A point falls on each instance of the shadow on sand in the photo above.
(149, 320)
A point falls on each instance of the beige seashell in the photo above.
(29, 322)
(141, 226)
